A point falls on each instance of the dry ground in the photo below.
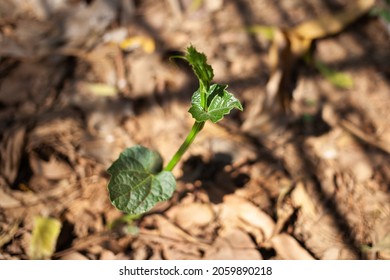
(311, 184)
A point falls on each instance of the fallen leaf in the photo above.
(194, 215)
(381, 244)
(303, 201)
(99, 89)
(11, 149)
(146, 43)
(168, 229)
(336, 78)
(266, 31)
(44, 237)
(7, 234)
(318, 227)
(7, 201)
(74, 256)
(290, 45)
(239, 212)
(233, 244)
(107, 255)
(288, 248)
(331, 24)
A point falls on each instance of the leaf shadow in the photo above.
(214, 175)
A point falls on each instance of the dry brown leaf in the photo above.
(239, 212)
(284, 211)
(288, 46)
(214, 6)
(318, 227)
(74, 256)
(288, 248)
(7, 232)
(6, 200)
(180, 251)
(103, 63)
(52, 169)
(382, 238)
(170, 240)
(169, 230)
(107, 255)
(332, 24)
(60, 133)
(142, 75)
(11, 149)
(303, 201)
(146, 247)
(194, 215)
(39, 34)
(233, 244)
(332, 118)
(107, 64)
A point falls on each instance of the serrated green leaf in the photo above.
(202, 70)
(219, 103)
(135, 185)
(44, 237)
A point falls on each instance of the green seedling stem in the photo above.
(196, 128)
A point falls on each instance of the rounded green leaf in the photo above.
(137, 182)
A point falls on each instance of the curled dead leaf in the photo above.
(288, 248)
(194, 215)
(239, 212)
(233, 244)
(11, 149)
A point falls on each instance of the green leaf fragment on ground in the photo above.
(219, 102)
(338, 79)
(44, 237)
(135, 185)
(267, 32)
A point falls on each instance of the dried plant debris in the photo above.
(302, 173)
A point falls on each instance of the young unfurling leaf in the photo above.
(219, 103)
(202, 70)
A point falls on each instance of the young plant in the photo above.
(138, 180)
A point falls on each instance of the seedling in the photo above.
(138, 180)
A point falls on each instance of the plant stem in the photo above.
(186, 144)
(203, 100)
